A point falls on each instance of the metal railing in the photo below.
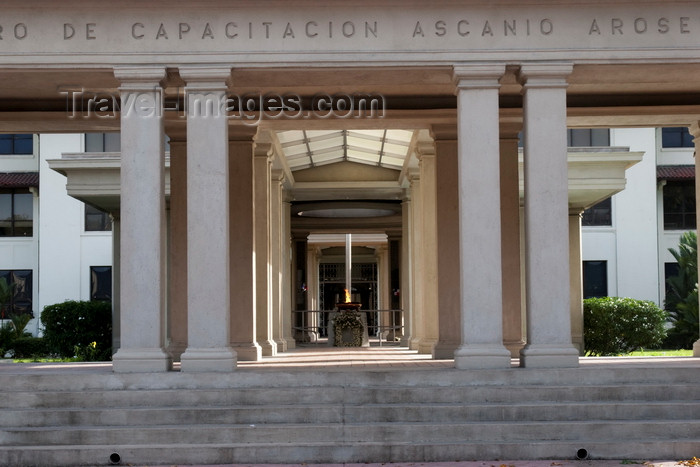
(311, 326)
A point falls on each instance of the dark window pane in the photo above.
(670, 270)
(16, 144)
(679, 205)
(676, 137)
(21, 298)
(101, 283)
(600, 137)
(24, 144)
(595, 279)
(112, 142)
(6, 144)
(599, 214)
(96, 220)
(16, 213)
(587, 137)
(94, 142)
(102, 142)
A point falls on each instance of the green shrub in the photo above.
(29, 347)
(72, 324)
(682, 295)
(614, 325)
(11, 331)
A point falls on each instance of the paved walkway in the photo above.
(542, 463)
(334, 358)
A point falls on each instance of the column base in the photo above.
(405, 341)
(514, 347)
(414, 343)
(176, 349)
(549, 356)
(248, 352)
(281, 345)
(427, 345)
(445, 350)
(481, 357)
(269, 348)
(696, 349)
(291, 343)
(221, 359)
(141, 360)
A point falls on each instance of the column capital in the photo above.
(140, 77)
(209, 77)
(694, 129)
(444, 132)
(544, 74)
(263, 146)
(477, 75)
(277, 175)
(510, 130)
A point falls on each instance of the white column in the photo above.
(447, 242)
(116, 286)
(276, 267)
(406, 270)
(208, 269)
(286, 274)
(576, 280)
(416, 221)
(429, 316)
(177, 246)
(262, 165)
(546, 217)
(695, 131)
(479, 217)
(242, 245)
(511, 264)
(142, 274)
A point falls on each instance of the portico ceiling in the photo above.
(312, 148)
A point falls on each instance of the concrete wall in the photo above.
(636, 245)
(23, 252)
(66, 250)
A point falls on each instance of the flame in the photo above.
(347, 296)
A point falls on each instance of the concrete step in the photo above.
(338, 452)
(347, 413)
(417, 433)
(344, 395)
(584, 376)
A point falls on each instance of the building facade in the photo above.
(412, 111)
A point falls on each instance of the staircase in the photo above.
(327, 416)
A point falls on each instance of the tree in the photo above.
(682, 294)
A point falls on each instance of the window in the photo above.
(101, 283)
(587, 137)
(96, 220)
(16, 212)
(595, 279)
(679, 205)
(17, 144)
(19, 300)
(670, 270)
(102, 142)
(598, 215)
(676, 137)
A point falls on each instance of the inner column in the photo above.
(208, 271)
(546, 218)
(142, 226)
(479, 217)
